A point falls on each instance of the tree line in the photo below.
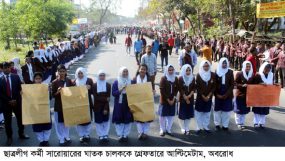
(210, 16)
(34, 19)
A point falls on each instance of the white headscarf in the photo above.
(250, 73)
(40, 54)
(49, 53)
(269, 79)
(18, 68)
(17, 64)
(78, 81)
(221, 72)
(61, 47)
(123, 81)
(101, 84)
(186, 78)
(205, 75)
(169, 77)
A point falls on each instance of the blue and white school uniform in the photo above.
(186, 87)
(122, 116)
(168, 90)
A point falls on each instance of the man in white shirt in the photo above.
(149, 59)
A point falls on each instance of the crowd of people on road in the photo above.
(239, 64)
(40, 66)
(189, 96)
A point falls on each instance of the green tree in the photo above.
(44, 18)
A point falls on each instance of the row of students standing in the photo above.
(206, 84)
(214, 93)
(99, 108)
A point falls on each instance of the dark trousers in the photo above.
(8, 120)
(231, 60)
(276, 74)
(164, 58)
(138, 57)
(170, 50)
(214, 54)
(241, 60)
(282, 76)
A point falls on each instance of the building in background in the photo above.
(10, 1)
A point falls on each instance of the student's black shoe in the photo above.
(9, 142)
(23, 136)
(41, 144)
(125, 139)
(46, 143)
(144, 136)
(187, 133)
(169, 133)
(198, 132)
(121, 139)
(105, 140)
(261, 126)
(140, 137)
(225, 129)
(162, 133)
(255, 125)
(81, 140)
(218, 128)
(67, 142)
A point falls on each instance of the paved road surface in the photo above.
(110, 58)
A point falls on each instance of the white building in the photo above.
(10, 1)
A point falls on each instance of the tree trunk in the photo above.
(8, 46)
(199, 22)
(15, 42)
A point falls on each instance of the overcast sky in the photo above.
(126, 8)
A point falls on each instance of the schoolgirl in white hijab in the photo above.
(269, 79)
(266, 77)
(80, 81)
(250, 73)
(101, 109)
(123, 82)
(83, 130)
(186, 98)
(166, 110)
(142, 127)
(170, 77)
(40, 56)
(203, 107)
(205, 75)
(240, 101)
(18, 68)
(122, 116)
(221, 72)
(186, 78)
(101, 84)
(49, 54)
(223, 106)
